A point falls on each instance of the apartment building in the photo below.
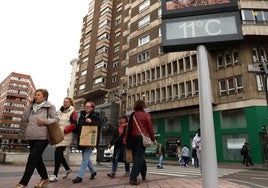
(121, 60)
(16, 90)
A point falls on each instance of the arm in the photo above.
(73, 120)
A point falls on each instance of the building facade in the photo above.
(121, 60)
(16, 90)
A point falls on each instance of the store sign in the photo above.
(185, 33)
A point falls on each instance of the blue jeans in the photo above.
(120, 152)
(160, 160)
(86, 162)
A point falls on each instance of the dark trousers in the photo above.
(139, 163)
(60, 159)
(35, 161)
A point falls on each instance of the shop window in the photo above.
(173, 124)
(171, 146)
(231, 145)
(232, 119)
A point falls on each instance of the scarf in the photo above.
(38, 106)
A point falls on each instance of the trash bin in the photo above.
(100, 153)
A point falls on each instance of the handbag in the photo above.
(129, 156)
(146, 140)
(54, 133)
(88, 136)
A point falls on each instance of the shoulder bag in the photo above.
(54, 133)
(146, 140)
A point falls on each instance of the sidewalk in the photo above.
(10, 175)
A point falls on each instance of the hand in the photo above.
(155, 142)
(41, 122)
(88, 120)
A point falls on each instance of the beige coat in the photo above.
(63, 123)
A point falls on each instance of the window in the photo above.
(182, 90)
(159, 12)
(86, 46)
(144, 5)
(148, 76)
(187, 63)
(106, 10)
(235, 57)
(104, 36)
(181, 65)
(160, 50)
(164, 95)
(116, 49)
(144, 56)
(143, 40)
(254, 16)
(104, 49)
(175, 67)
(99, 80)
(85, 59)
(117, 35)
(222, 85)
(239, 84)
(115, 63)
(163, 70)
(260, 85)
(255, 55)
(118, 21)
(175, 91)
(144, 21)
(196, 91)
(82, 86)
(114, 79)
(128, 39)
(230, 86)
(159, 32)
(101, 64)
(263, 54)
(152, 96)
(84, 72)
(220, 61)
(105, 22)
(189, 88)
(119, 9)
(228, 58)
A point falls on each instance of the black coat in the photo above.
(95, 121)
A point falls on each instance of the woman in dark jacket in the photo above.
(134, 140)
(88, 117)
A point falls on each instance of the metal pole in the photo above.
(208, 147)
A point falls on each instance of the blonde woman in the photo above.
(68, 122)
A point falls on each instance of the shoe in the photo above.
(20, 186)
(77, 180)
(126, 174)
(132, 182)
(111, 175)
(143, 178)
(53, 178)
(93, 176)
(161, 167)
(67, 172)
(42, 183)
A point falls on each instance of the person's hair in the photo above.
(44, 92)
(139, 105)
(70, 99)
(91, 103)
(125, 117)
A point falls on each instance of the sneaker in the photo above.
(111, 175)
(126, 174)
(67, 172)
(53, 178)
(93, 176)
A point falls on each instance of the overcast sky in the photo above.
(40, 38)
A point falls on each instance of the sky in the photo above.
(40, 38)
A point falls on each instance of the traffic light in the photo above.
(264, 67)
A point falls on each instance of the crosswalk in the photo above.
(190, 172)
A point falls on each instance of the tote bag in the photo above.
(88, 136)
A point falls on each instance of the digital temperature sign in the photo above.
(185, 33)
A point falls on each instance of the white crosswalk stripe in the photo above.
(191, 172)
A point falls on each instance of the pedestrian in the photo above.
(38, 113)
(134, 140)
(196, 144)
(119, 143)
(185, 154)
(160, 153)
(88, 117)
(178, 153)
(245, 151)
(67, 123)
(195, 158)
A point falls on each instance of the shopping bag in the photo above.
(54, 134)
(88, 136)
(129, 156)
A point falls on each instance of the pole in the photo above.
(208, 147)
